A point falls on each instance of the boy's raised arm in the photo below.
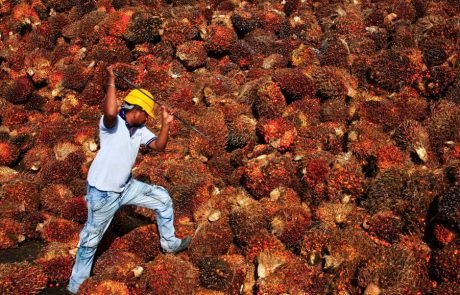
(110, 103)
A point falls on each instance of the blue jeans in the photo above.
(102, 206)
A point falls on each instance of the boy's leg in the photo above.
(156, 198)
(101, 209)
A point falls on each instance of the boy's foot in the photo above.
(183, 245)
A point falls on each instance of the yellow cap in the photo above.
(143, 100)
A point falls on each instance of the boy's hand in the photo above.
(110, 71)
(166, 116)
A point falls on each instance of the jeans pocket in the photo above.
(96, 199)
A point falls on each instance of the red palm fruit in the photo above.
(389, 157)
(246, 219)
(56, 262)
(241, 125)
(260, 242)
(211, 239)
(384, 192)
(269, 101)
(38, 65)
(346, 178)
(380, 111)
(414, 138)
(101, 286)
(63, 171)
(434, 82)
(304, 114)
(279, 133)
(282, 272)
(75, 209)
(333, 82)
(446, 288)
(304, 25)
(143, 240)
(350, 21)
(365, 138)
(304, 57)
(267, 172)
(11, 233)
(14, 116)
(220, 38)
(118, 265)
(244, 20)
(279, 198)
(213, 124)
(9, 153)
(21, 278)
(448, 208)
(393, 270)
(177, 32)
(444, 264)
(143, 27)
(36, 157)
(225, 273)
(453, 93)
(289, 224)
(116, 23)
(19, 196)
(17, 90)
(294, 83)
(84, 28)
(334, 52)
(75, 77)
(192, 53)
(334, 110)
(54, 196)
(391, 70)
(385, 225)
(110, 50)
(442, 124)
(213, 204)
(168, 274)
(421, 189)
(333, 214)
(270, 18)
(443, 235)
(61, 230)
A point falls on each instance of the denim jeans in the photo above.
(103, 205)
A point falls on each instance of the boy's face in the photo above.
(139, 118)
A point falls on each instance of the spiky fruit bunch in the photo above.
(65, 170)
(9, 153)
(384, 192)
(268, 172)
(75, 209)
(280, 197)
(192, 53)
(334, 52)
(143, 27)
(11, 233)
(244, 21)
(443, 235)
(333, 82)
(449, 208)
(100, 286)
(168, 274)
(294, 84)
(269, 101)
(391, 70)
(452, 170)
(18, 90)
(178, 32)
(446, 288)
(246, 219)
(380, 111)
(117, 265)
(391, 157)
(442, 124)
(60, 230)
(110, 50)
(56, 262)
(211, 239)
(143, 240)
(333, 214)
(279, 133)
(410, 105)
(54, 196)
(19, 196)
(413, 137)
(346, 178)
(220, 38)
(282, 272)
(260, 242)
(217, 274)
(393, 270)
(385, 225)
(445, 263)
(289, 224)
(21, 278)
(433, 83)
